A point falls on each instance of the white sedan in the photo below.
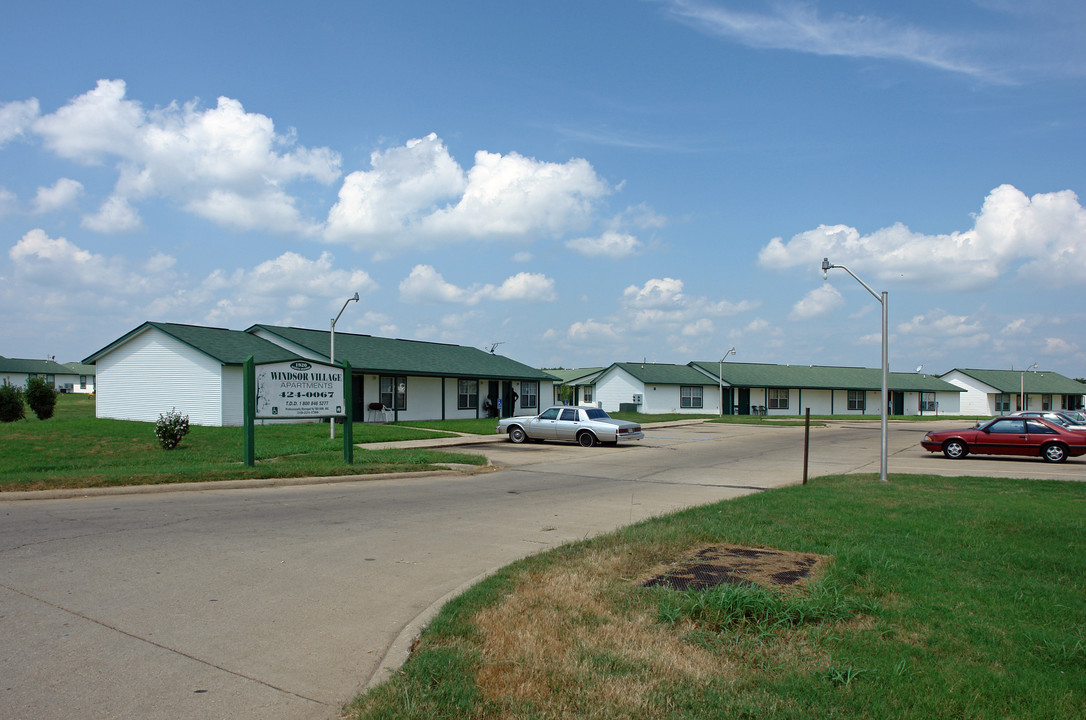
(585, 426)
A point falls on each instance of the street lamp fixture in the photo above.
(1022, 396)
(332, 355)
(720, 374)
(881, 297)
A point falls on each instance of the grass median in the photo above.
(934, 598)
(74, 449)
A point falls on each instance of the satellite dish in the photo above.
(919, 368)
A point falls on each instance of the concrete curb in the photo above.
(399, 650)
(64, 493)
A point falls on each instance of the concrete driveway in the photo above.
(282, 602)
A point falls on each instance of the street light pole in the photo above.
(881, 297)
(332, 356)
(1022, 395)
(720, 374)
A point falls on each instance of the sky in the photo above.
(568, 183)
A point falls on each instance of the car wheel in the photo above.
(955, 449)
(586, 439)
(517, 434)
(1054, 453)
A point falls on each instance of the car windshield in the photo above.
(596, 414)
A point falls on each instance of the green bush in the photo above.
(170, 428)
(42, 397)
(11, 403)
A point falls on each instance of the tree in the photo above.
(11, 403)
(42, 397)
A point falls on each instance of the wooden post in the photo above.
(806, 441)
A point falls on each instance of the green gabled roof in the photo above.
(1036, 382)
(663, 374)
(230, 347)
(79, 368)
(367, 353)
(31, 367)
(822, 377)
(575, 376)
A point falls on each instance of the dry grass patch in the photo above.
(560, 645)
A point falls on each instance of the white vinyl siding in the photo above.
(152, 374)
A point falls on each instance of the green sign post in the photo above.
(297, 389)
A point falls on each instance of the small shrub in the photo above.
(170, 428)
(42, 397)
(11, 403)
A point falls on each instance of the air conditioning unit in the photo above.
(638, 399)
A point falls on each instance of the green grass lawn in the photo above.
(73, 449)
(942, 598)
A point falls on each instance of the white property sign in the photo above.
(299, 389)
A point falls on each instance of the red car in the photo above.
(1030, 436)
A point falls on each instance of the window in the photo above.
(778, 398)
(529, 393)
(467, 395)
(1046, 402)
(82, 382)
(690, 397)
(394, 392)
(927, 402)
(569, 415)
(1003, 403)
(1070, 402)
(857, 400)
(1038, 428)
(1008, 426)
(588, 393)
(550, 414)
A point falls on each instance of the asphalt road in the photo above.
(282, 602)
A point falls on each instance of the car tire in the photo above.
(955, 449)
(586, 439)
(1054, 453)
(517, 435)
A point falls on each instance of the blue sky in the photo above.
(582, 182)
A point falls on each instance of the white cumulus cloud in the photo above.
(1043, 238)
(655, 293)
(817, 302)
(945, 330)
(610, 244)
(40, 260)
(116, 215)
(63, 193)
(426, 285)
(16, 118)
(418, 194)
(592, 331)
(223, 163)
